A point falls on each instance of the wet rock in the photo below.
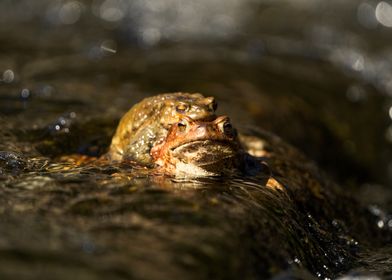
(12, 162)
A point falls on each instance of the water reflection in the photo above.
(110, 203)
(64, 12)
(317, 73)
(111, 10)
(383, 13)
(109, 46)
(8, 76)
(366, 15)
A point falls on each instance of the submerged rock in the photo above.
(102, 219)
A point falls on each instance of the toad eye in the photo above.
(182, 108)
(227, 128)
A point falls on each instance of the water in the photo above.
(316, 74)
(103, 222)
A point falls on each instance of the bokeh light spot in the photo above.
(109, 46)
(388, 134)
(112, 10)
(384, 14)
(8, 76)
(70, 12)
(366, 16)
(151, 36)
(25, 93)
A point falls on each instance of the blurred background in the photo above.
(317, 73)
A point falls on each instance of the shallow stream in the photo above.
(316, 74)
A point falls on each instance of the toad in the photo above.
(148, 122)
(201, 148)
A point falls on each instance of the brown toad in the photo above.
(147, 123)
(200, 148)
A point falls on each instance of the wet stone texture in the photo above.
(98, 220)
(70, 69)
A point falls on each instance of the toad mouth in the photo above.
(203, 152)
(195, 144)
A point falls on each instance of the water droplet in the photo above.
(359, 64)
(112, 10)
(109, 46)
(62, 121)
(70, 12)
(375, 210)
(8, 76)
(390, 112)
(384, 13)
(151, 36)
(25, 93)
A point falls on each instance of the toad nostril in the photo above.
(184, 123)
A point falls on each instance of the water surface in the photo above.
(318, 75)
